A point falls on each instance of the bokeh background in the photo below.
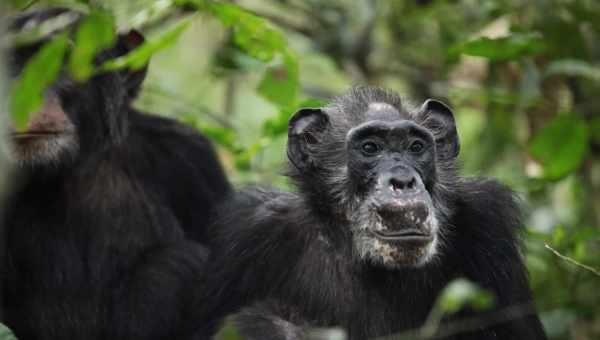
(523, 77)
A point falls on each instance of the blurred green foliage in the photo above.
(512, 47)
(461, 293)
(561, 146)
(95, 33)
(27, 92)
(522, 76)
(6, 334)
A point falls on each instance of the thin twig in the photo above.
(28, 5)
(573, 261)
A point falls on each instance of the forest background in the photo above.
(522, 76)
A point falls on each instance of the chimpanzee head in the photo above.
(379, 167)
(76, 118)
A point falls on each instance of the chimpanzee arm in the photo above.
(487, 226)
(180, 164)
(153, 297)
(261, 242)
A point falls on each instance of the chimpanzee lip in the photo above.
(35, 134)
(403, 235)
(399, 205)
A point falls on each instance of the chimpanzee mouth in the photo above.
(398, 233)
(35, 134)
(404, 223)
(399, 216)
(28, 136)
(406, 235)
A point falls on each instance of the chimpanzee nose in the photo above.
(402, 183)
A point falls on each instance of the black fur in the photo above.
(295, 251)
(102, 244)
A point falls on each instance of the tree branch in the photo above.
(572, 261)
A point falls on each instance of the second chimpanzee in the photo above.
(380, 225)
(102, 224)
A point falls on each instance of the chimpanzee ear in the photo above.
(439, 119)
(303, 131)
(126, 43)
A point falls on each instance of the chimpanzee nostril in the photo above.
(396, 185)
(411, 184)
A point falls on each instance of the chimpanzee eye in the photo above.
(416, 146)
(370, 148)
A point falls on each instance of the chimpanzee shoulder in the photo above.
(486, 232)
(182, 165)
(273, 221)
(488, 204)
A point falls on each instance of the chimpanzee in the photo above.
(380, 224)
(105, 224)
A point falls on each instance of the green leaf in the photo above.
(139, 57)
(460, 293)
(6, 333)
(561, 146)
(312, 102)
(251, 33)
(197, 4)
(228, 332)
(95, 33)
(19, 3)
(559, 235)
(257, 38)
(574, 67)
(27, 94)
(512, 47)
(595, 129)
(244, 158)
(223, 136)
(278, 125)
(280, 84)
(151, 11)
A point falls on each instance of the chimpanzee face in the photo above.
(391, 161)
(76, 118)
(387, 179)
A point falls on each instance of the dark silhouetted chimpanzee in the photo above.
(102, 224)
(380, 224)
